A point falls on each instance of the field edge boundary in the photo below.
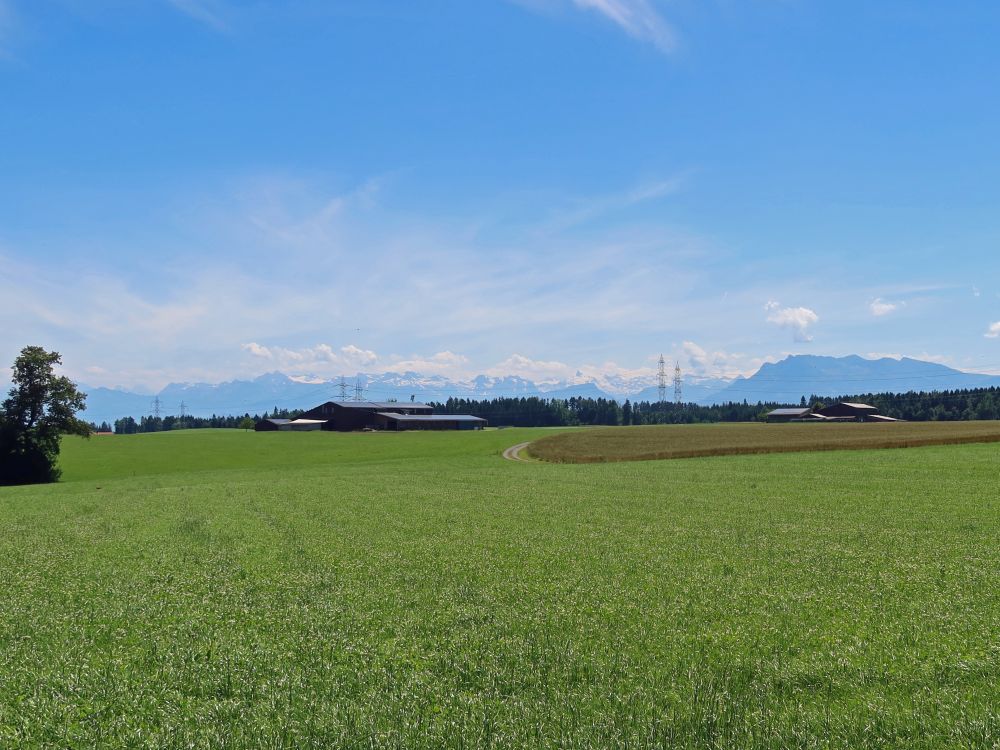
(760, 451)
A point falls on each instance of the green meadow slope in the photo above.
(223, 589)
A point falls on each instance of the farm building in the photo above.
(858, 412)
(396, 421)
(289, 425)
(357, 415)
(788, 415)
(842, 412)
(880, 418)
(270, 425)
(346, 416)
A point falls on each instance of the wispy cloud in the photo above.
(796, 319)
(6, 27)
(208, 12)
(638, 18)
(592, 208)
(993, 331)
(293, 262)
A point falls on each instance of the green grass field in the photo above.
(649, 443)
(223, 589)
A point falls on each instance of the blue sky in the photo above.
(211, 189)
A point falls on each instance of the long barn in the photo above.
(845, 411)
(347, 416)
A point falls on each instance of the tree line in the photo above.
(129, 425)
(930, 406)
(534, 411)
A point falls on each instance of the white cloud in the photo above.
(258, 351)
(719, 363)
(881, 307)
(796, 319)
(355, 355)
(319, 359)
(993, 331)
(448, 364)
(540, 371)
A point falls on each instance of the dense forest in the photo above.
(540, 412)
(982, 403)
(129, 426)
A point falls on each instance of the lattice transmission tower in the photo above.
(678, 383)
(662, 379)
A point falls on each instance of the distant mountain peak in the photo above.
(806, 375)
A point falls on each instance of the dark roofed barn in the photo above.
(789, 415)
(842, 412)
(347, 416)
(270, 425)
(397, 421)
(289, 425)
(847, 410)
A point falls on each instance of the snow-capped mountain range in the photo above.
(782, 382)
(280, 390)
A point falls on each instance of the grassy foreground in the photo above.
(728, 439)
(229, 589)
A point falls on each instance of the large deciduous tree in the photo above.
(40, 408)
